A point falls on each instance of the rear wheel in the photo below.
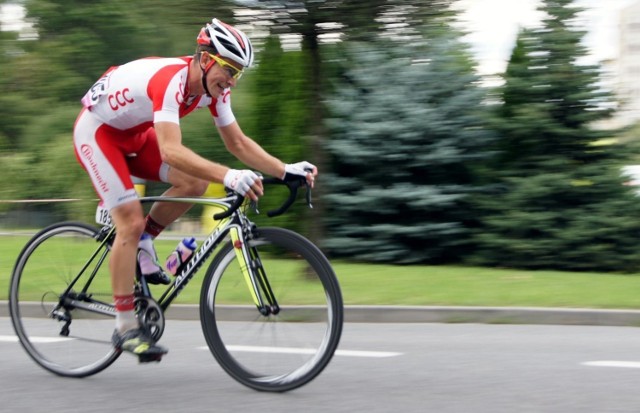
(281, 351)
(59, 300)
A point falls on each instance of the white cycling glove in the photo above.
(240, 181)
(300, 168)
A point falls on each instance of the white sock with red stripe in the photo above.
(125, 313)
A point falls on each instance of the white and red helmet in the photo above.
(228, 41)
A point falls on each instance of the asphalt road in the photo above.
(417, 367)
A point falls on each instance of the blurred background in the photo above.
(476, 132)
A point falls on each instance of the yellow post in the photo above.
(140, 185)
(207, 222)
(140, 189)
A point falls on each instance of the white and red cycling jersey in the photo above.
(145, 91)
(114, 136)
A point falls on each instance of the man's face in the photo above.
(223, 74)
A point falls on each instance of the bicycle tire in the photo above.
(280, 352)
(43, 271)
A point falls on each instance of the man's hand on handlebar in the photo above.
(304, 168)
(242, 179)
(245, 182)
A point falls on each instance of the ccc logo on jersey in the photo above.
(120, 99)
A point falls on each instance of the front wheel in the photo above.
(273, 352)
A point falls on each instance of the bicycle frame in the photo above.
(234, 224)
(231, 221)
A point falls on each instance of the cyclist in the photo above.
(129, 125)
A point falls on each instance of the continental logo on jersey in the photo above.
(87, 152)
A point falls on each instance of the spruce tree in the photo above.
(562, 203)
(406, 132)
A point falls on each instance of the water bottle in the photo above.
(181, 255)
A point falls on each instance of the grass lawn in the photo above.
(369, 284)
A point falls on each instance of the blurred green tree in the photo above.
(278, 109)
(407, 135)
(278, 114)
(79, 40)
(561, 202)
(14, 106)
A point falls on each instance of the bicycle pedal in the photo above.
(150, 358)
(157, 278)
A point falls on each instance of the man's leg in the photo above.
(148, 164)
(129, 219)
(160, 216)
(164, 213)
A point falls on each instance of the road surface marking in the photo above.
(613, 363)
(293, 350)
(14, 339)
(246, 349)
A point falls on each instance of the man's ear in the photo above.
(203, 59)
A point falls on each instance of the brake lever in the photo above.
(308, 196)
(254, 205)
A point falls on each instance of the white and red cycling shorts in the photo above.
(111, 156)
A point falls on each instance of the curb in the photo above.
(445, 314)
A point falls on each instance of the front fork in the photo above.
(254, 273)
